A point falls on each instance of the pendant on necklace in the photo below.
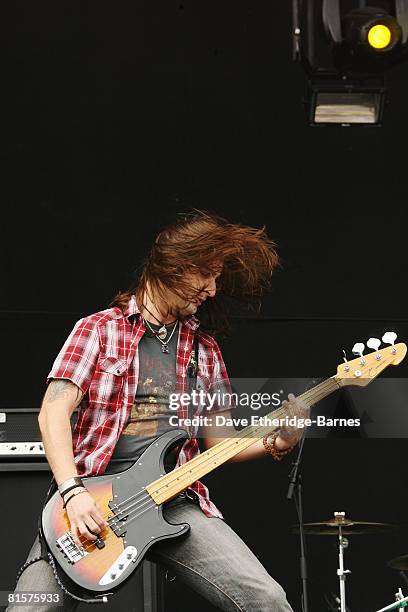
(162, 332)
(165, 348)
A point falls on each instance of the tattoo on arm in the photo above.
(60, 388)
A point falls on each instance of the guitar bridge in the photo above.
(68, 547)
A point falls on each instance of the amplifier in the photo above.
(20, 440)
(21, 447)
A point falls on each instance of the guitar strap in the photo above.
(192, 372)
(192, 367)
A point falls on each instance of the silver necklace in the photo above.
(164, 343)
(162, 333)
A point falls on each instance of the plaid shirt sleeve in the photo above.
(220, 385)
(77, 359)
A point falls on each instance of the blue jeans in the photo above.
(212, 559)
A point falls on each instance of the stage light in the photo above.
(346, 52)
(379, 36)
(345, 104)
(370, 37)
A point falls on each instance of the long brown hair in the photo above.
(200, 241)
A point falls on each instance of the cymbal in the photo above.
(349, 527)
(399, 563)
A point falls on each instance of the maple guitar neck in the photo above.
(359, 372)
(174, 482)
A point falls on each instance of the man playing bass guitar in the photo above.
(119, 367)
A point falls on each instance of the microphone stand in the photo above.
(295, 492)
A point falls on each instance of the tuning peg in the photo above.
(373, 343)
(390, 338)
(358, 349)
(346, 367)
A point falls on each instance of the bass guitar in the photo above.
(132, 501)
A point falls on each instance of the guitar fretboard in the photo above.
(168, 486)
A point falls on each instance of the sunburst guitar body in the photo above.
(135, 522)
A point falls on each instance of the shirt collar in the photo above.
(132, 309)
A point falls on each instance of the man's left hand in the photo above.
(289, 435)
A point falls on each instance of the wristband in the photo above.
(75, 486)
(70, 484)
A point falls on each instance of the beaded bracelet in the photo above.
(270, 447)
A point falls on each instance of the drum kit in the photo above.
(341, 526)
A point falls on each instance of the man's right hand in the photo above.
(84, 516)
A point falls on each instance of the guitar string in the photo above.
(310, 395)
(238, 434)
(225, 448)
(313, 395)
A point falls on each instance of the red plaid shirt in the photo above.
(100, 356)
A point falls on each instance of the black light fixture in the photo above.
(346, 50)
(347, 102)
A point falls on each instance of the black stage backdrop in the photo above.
(115, 116)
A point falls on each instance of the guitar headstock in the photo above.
(365, 368)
